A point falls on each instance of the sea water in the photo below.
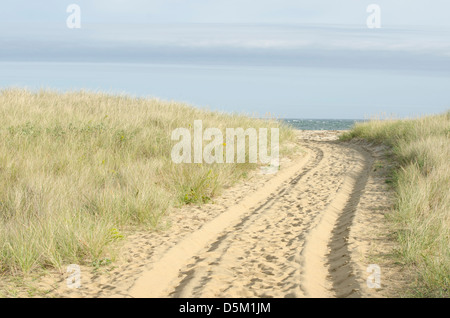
(321, 124)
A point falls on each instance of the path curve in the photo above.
(287, 239)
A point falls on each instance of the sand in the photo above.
(310, 230)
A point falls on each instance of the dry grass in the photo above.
(77, 168)
(421, 150)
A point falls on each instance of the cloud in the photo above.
(228, 44)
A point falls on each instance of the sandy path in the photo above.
(279, 242)
(304, 232)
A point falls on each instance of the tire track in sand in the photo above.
(278, 242)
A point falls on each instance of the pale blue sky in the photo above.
(407, 61)
(395, 12)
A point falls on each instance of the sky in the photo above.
(412, 46)
(395, 12)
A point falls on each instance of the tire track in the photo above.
(326, 258)
(155, 281)
(341, 268)
(204, 277)
(287, 240)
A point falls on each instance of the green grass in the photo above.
(78, 168)
(421, 152)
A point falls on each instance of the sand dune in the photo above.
(305, 232)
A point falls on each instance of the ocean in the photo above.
(322, 124)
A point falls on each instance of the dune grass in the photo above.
(421, 216)
(77, 168)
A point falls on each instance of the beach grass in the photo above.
(77, 168)
(420, 150)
